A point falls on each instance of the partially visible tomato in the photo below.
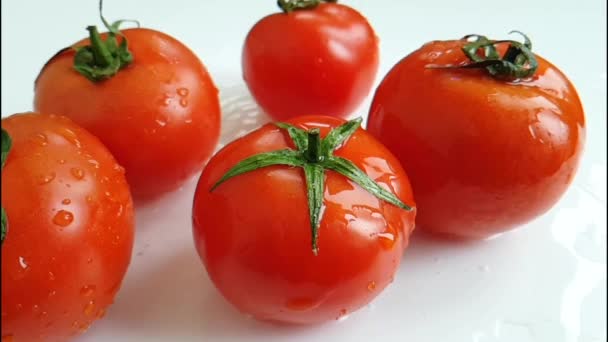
(317, 57)
(70, 229)
(485, 153)
(159, 114)
(253, 231)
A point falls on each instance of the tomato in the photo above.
(70, 229)
(321, 60)
(253, 231)
(159, 114)
(484, 153)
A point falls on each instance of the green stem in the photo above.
(293, 5)
(102, 59)
(518, 62)
(315, 155)
(102, 56)
(7, 144)
(314, 146)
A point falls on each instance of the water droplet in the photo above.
(89, 199)
(52, 293)
(387, 240)
(84, 327)
(7, 338)
(22, 263)
(342, 315)
(371, 286)
(94, 162)
(19, 307)
(63, 218)
(183, 91)
(66, 201)
(35, 308)
(183, 102)
(89, 309)
(42, 314)
(119, 168)
(188, 120)
(45, 179)
(100, 313)
(70, 136)
(107, 194)
(75, 324)
(41, 139)
(51, 276)
(61, 161)
(77, 173)
(87, 290)
(161, 121)
(89, 260)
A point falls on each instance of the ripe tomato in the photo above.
(484, 154)
(70, 229)
(322, 59)
(159, 114)
(253, 231)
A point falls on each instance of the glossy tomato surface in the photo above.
(70, 229)
(322, 60)
(253, 232)
(483, 155)
(160, 116)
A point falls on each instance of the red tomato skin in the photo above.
(322, 60)
(159, 116)
(254, 237)
(71, 227)
(484, 156)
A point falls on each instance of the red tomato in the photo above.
(70, 229)
(484, 154)
(253, 231)
(159, 115)
(320, 60)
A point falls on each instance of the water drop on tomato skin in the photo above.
(45, 179)
(89, 309)
(183, 92)
(87, 290)
(77, 173)
(371, 286)
(63, 218)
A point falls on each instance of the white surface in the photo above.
(543, 282)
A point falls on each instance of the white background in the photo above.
(543, 282)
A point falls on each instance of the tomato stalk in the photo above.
(6, 148)
(315, 155)
(293, 5)
(103, 59)
(518, 62)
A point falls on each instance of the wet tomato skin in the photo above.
(70, 229)
(159, 116)
(484, 155)
(253, 231)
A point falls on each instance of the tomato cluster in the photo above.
(303, 220)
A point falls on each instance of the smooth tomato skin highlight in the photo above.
(70, 229)
(322, 60)
(253, 231)
(159, 116)
(483, 155)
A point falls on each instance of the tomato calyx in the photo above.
(315, 156)
(518, 62)
(293, 5)
(103, 59)
(7, 143)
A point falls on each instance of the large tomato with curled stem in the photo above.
(145, 95)
(490, 133)
(316, 57)
(67, 228)
(302, 222)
